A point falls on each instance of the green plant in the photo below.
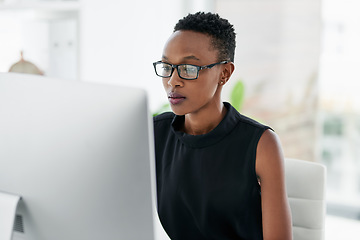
(164, 108)
(237, 95)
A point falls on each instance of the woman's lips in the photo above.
(175, 98)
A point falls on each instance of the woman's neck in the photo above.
(204, 120)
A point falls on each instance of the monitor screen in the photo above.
(80, 155)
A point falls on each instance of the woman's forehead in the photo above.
(189, 45)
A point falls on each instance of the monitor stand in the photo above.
(8, 205)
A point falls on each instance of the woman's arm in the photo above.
(276, 215)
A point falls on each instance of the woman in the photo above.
(210, 159)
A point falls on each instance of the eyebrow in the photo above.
(190, 57)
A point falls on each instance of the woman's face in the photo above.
(191, 96)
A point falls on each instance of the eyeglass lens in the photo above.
(185, 70)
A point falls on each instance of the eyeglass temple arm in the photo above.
(214, 64)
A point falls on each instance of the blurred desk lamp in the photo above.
(23, 66)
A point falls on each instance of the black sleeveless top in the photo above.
(207, 186)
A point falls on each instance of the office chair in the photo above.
(305, 185)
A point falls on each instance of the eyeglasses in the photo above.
(185, 71)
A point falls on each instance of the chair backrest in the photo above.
(305, 185)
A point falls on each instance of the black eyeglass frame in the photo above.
(173, 66)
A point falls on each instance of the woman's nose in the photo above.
(175, 80)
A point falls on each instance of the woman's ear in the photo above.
(227, 72)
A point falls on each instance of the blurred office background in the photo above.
(298, 60)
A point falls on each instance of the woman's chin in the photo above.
(177, 110)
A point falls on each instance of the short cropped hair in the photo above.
(220, 30)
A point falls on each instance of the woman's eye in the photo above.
(190, 70)
(166, 68)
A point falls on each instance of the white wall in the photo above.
(119, 41)
(277, 58)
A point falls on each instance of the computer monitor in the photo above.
(80, 155)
